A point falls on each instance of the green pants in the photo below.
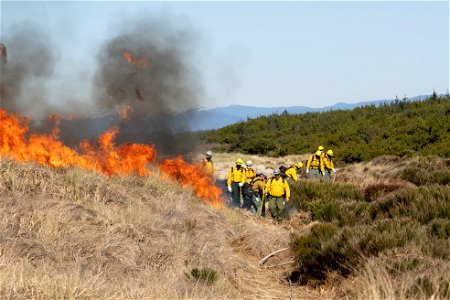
(314, 173)
(277, 206)
(236, 194)
(327, 174)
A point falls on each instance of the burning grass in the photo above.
(69, 233)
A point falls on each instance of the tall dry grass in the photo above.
(67, 233)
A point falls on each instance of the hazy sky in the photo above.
(265, 53)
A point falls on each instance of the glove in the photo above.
(307, 171)
(229, 189)
(333, 170)
(241, 183)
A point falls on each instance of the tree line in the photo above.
(400, 127)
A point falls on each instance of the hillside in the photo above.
(380, 231)
(401, 128)
(68, 233)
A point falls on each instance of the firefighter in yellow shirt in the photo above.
(314, 167)
(258, 185)
(250, 172)
(277, 189)
(329, 165)
(291, 173)
(208, 165)
(236, 179)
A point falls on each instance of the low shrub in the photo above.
(206, 275)
(423, 204)
(427, 170)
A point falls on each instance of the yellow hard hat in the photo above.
(330, 152)
(318, 153)
(320, 148)
(239, 161)
(299, 164)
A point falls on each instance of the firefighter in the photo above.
(208, 165)
(321, 149)
(236, 179)
(258, 185)
(250, 172)
(277, 189)
(291, 173)
(329, 165)
(314, 167)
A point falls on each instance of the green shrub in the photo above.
(206, 275)
(423, 204)
(440, 228)
(309, 250)
(328, 248)
(427, 170)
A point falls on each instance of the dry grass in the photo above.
(72, 234)
(406, 275)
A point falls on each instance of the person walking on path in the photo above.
(277, 189)
(291, 173)
(258, 185)
(250, 172)
(330, 171)
(208, 165)
(236, 179)
(314, 167)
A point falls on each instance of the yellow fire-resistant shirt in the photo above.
(292, 173)
(315, 162)
(328, 163)
(258, 185)
(278, 188)
(250, 174)
(235, 175)
(208, 167)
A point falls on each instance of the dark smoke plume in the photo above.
(149, 68)
(23, 73)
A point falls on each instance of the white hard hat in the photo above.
(249, 163)
(209, 153)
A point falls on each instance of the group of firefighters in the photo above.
(251, 189)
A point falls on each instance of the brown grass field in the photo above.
(72, 234)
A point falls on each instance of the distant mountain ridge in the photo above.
(206, 119)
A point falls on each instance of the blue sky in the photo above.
(266, 53)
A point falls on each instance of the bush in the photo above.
(206, 275)
(427, 170)
(424, 205)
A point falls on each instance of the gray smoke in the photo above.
(23, 74)
(147, 65)
(158, 81)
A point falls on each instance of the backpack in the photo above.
(283, 170)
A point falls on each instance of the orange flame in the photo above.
(104, 156)
(131, 60)
(44, 149)
(193, 175)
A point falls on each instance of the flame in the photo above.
(46, 149)
(193, 175)
(103, 156)
(132, 60)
